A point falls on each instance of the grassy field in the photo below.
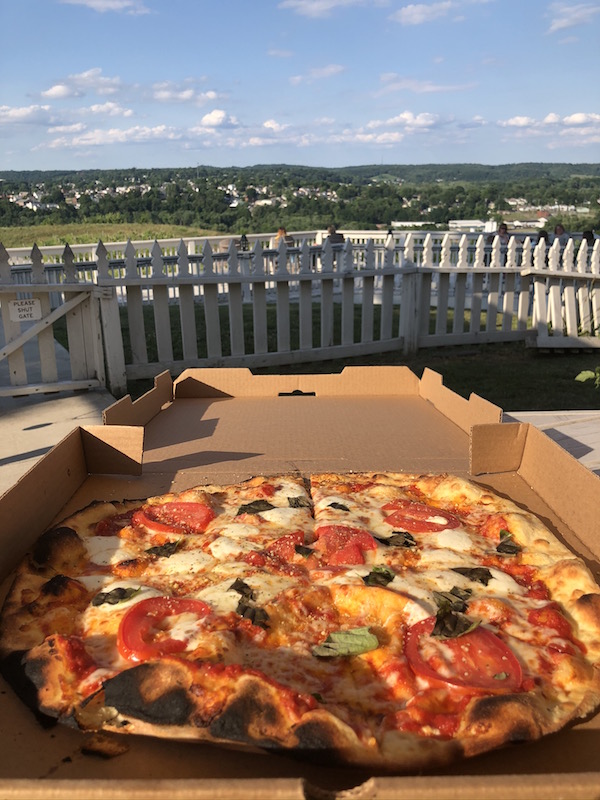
(512, 376)
(45, 235)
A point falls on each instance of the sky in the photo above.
(101, 84)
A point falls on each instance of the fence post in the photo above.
(114, 355)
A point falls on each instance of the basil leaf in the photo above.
(298, 502)
(379, 576)
(255, 507)
(507, 547)
(398, 539)
(339, 506)
(242, 588)
(454, 600)
(115, 596)
(451, 625)
(163, 550)
(257, 616)
(347, 643)
(477, 574)
(302, 550)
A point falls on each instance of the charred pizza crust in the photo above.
(266, 571)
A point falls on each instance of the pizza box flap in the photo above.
(128, 412)
(243, 383)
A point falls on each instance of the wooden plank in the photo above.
(460, 289)
(476, 303)
(306, 315)
(570, 308)
(236, 320)
(283, 316)
(212, 321)
(443, 296)
(508, 301)
(524, 302)
(327, 313)
(46, 343)
(387, 307)
(555, 306)
(113, 344)
(137, 328)
(162, 323)
(491, 317)
(77, 340)
(347, 309)
(259, 318)
(187, 316)
(12, 330)
(367, 309)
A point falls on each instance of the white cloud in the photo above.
(110, 109)
(102, 6)
(421, 13)
(276, 53)
(25, 114)
(78, 127)
(318, 74)
(323, 8)
(581, 119)
(100, 137)
(396, 83)
(569, 15)
(406, 120)
(518, 122)
(274, 126)
(90, 81)
(186, 92)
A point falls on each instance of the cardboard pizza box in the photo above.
(217, 425)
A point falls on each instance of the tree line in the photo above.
(264, 197)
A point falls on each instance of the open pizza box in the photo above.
(221, 425)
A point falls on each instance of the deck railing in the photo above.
(151, 306)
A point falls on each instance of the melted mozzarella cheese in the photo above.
(286, 517)
(450, 539)
(105, 550)
(225, 547)
(184, 562)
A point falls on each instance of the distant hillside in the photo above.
(413, 173)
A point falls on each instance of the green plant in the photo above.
(590, 375)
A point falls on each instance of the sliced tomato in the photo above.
(141, 636)
(112, 526)
(284, 547)
(339, 542)
(176, 517)
(550, 617)
(414, 517)
(476, 660)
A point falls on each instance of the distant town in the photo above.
(262, 198)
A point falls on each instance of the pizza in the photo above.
(392, 621)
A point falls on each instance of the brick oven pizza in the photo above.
(387, 620)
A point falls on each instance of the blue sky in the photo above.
(167, 83)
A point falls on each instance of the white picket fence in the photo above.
(135, 309)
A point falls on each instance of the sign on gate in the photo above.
(25, 310)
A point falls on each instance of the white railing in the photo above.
(172, 305)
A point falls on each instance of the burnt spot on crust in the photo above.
(588, 605)
(252, 716)
(134, 694)
(502, 719)
(58, 548)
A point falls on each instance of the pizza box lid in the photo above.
(229, 424)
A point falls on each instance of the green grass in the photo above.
(83, 233)
(511, 375)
